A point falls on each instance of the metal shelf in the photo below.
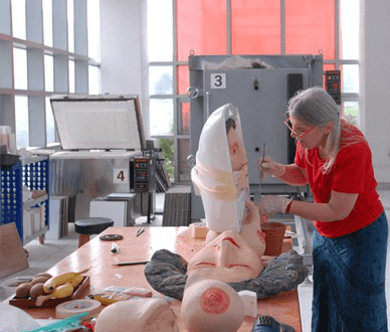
(32, 159)
(32, 202)
(40, 234)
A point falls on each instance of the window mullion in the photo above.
(174, 103)
(337, 33)
(282, 27)
(229, 26)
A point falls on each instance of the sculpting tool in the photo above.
(130, 263)
(261, 169)
(139, 232)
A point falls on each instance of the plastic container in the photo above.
(15, 320)
(5, 132)
(9, 285)
(274, 235)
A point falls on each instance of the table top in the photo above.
(97, 256)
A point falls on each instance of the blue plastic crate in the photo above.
(35, 175)
(11, 197)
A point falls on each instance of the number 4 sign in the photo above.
(218, 81)
(121, 175)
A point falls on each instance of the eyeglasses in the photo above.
(302, 134)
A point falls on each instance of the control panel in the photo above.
(332, 84)
(140, 174)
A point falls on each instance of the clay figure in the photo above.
(235, 242)
(137, 315)
(230, 256)
(210, 305)
(220, 175)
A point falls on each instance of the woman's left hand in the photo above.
(271, 204)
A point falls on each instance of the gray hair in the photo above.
(315, 107)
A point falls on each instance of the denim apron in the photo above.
(349, 280)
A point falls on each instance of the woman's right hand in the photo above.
(267, 165)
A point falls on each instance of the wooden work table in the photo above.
(97, 256)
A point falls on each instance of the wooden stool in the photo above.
(93, 225)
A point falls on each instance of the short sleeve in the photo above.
(299, 156)
(350, 168)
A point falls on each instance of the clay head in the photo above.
(235, 143)
(230, 256)
(251, 230)
(137, 315)
(220, 175)
(210, 305)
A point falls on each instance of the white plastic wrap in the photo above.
(13, 319)
(223, 189)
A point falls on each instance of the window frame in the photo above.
(337, 64)
(37, 50)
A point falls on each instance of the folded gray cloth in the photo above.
(166, 273)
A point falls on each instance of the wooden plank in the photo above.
(13, 258)
(177, 207)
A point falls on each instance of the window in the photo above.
(349, 58)
(46, 47)
(178, 27)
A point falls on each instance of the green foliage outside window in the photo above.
(168, 154)
(351, 112)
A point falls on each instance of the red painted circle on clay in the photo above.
(215, 301)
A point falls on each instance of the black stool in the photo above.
(93, 225)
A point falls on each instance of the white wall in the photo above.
(375, 71)
(122, 50)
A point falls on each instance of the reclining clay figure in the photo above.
(235, 243)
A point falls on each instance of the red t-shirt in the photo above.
(352, 172)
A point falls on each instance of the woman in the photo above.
(350, 236)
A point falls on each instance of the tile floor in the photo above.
(42, 257)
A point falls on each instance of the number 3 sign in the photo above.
(218, 81)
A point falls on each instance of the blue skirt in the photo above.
(349, 280)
